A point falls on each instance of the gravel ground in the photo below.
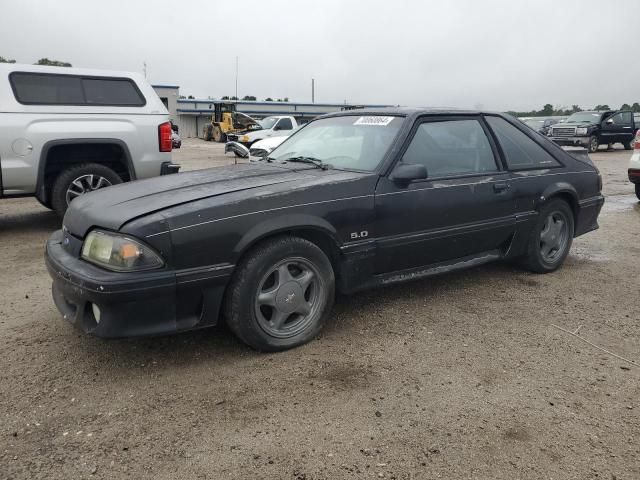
(458, 376)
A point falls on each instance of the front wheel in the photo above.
(594, 142)
(78, 180)
(281, 294)
(551, 238)
(218, 135)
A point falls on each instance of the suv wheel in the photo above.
(551, 238)
(628, 145)
(78, 180)
(638, 190)
(281, 294)
(594, 142)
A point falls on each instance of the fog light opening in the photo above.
(96, 312)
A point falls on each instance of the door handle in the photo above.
(499, 187)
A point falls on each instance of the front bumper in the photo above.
(133, 304)
(571, 141)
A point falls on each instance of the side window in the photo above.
(521, 152)
(30, 88)
(60, 89)
(455, 147)
(100, 91)
(626, 118)
(284, 124)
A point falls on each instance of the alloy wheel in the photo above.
(554, 237)
(289, 297)
(84, 184)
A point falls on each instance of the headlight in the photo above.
(118, 252)
(581, 131)
(245, 138)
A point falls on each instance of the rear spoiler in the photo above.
(581, 154)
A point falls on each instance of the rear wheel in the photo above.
(551, 238)
(594, 142)
(628, 145)
(281, 294)
(78, 180)
(638, 190)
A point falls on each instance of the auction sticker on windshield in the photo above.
(374, 120)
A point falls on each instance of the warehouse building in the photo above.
(191, 115)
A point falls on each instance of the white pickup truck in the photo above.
(68, 131)
(276, 126)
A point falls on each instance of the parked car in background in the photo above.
(592, 129)
(541, 125)
(634, 165)
(176, 141)
(68, 131)
(353, 200)
(276, 126)
(259, 149)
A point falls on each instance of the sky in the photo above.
(489, 54)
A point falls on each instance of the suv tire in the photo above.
(638, 190)
(281, 294)
(79, 179)
(551, 237)
(594, 143)
(628, 145)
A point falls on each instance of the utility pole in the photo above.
(144, 68)
(313, 90)
(236, 77)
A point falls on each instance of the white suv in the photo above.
(68, 131)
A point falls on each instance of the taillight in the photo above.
(164, 137)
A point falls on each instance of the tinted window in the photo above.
(100, 91)
(520, 150)
(285, 124)
(47, 89)
(451, 148)
(53, 89)
(622, 118)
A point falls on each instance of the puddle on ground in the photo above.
(620, 203)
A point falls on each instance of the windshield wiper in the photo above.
(309, 160)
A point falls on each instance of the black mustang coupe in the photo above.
(352, 200)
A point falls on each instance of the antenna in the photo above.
(144, 68)
(313, 90)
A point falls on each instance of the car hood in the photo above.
(112, 207)
(572, 124)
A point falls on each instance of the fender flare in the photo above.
(282, 224)
(41, 193)
(559, 188)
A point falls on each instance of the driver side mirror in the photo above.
(404, 173)
(609, 121)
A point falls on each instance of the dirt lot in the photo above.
(459, 376)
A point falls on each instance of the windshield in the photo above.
(581, 117)
(350, 142)
(268, 122)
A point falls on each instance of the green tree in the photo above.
(226, 97)
(191, 97)
(602, 107)
(285, 99)
(6, 60)
(249, 98)
(52, 63)
(234, 98)
(547, 110)
(575, 109)
(182, 97)
(268, 99)
(625, 106)
(635, 107)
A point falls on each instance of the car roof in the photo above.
(411, 112)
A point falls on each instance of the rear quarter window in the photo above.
(520, 151)
(59, 89)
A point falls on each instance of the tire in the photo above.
(550, 243)
(594, 143)
(628, 145)
(272, 311)
(218, 135)
(638, 190)
(64, 190)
